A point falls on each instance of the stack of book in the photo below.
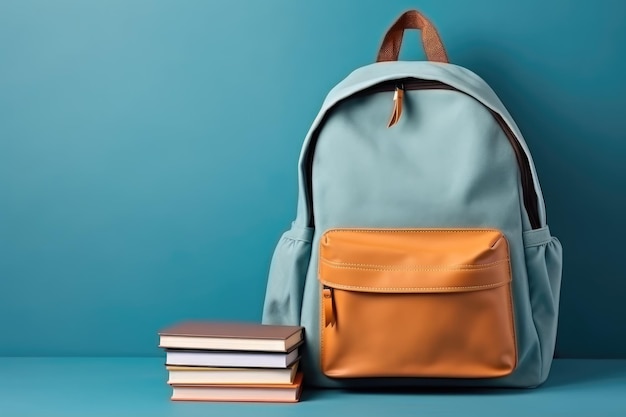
(217, 361)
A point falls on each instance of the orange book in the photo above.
(279, 393)
(231, 336)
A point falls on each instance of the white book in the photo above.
(231, 359)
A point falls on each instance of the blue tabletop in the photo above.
(136, 387)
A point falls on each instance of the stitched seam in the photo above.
(295, 239)
(357, 287)
(534, 319)
(410, 230)
(345, 265)
(322, 321)
(537, 237)
(512, 315)
(540, 243)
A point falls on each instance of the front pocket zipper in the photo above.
(327, 302)
(416, 303)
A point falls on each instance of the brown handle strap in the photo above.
(412, 19)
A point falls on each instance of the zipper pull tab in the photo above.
(398, 97)
(329, 311)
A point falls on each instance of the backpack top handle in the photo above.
(412, 19)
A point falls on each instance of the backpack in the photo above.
(420, 253)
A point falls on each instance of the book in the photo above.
(233, 359)
(192, 375)
(230, 336)
(243, 393)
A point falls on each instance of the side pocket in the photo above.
(285, 283)
(544, 261)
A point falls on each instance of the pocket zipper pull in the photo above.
(329, 312)
(398, 97)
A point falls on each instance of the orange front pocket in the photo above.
(416, 303)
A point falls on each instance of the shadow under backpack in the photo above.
(420, 254)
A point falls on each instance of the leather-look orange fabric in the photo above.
(416, 302)
(412, 19)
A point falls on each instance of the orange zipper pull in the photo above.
(329, 312)
(398, 97)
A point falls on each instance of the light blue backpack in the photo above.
(420, 253)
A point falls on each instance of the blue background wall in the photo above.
(148, 152)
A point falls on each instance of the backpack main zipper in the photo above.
(398, 98)
(400, 86)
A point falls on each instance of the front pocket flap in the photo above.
(414, 260)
